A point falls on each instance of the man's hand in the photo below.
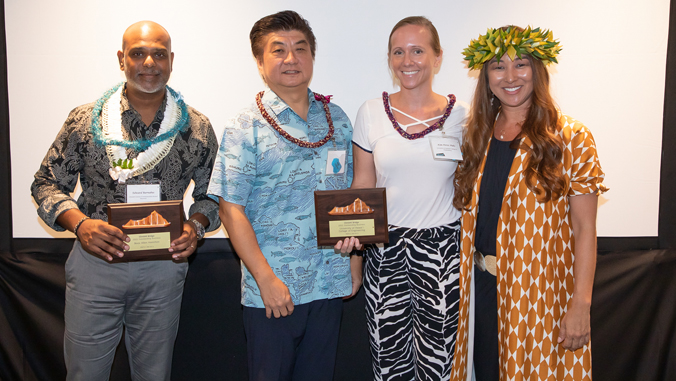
(575, 326)
(274, 293)
(102, 239)
(276, 297)
(183, 246)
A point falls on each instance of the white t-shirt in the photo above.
(419, 187)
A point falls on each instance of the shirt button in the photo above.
(327, 262)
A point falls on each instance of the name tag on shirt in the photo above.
(446, 147)
(143, 193)
(335, 162)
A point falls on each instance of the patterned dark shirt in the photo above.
(74, 153)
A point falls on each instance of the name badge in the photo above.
(143, 193)
(446, 147)
(335, 162)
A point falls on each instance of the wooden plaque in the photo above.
(360, 213)
(150, 225)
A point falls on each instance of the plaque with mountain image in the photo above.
(151, 226)
(360, 213)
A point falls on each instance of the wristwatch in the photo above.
(199, 227)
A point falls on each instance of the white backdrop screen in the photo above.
(62, 54)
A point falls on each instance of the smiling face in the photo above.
(286, 62)
(412, 58)
(146, 58)
(511, 81)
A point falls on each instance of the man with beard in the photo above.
(145, 122)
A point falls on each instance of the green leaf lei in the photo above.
(141, 144)
(124, 164)
(497, 42)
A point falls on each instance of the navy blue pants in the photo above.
(486, 346)
(301, 346)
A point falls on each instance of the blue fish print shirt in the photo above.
(275, 180)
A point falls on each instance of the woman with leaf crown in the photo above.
(528, 188)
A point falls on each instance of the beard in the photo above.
(144, 86)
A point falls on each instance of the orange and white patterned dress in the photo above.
(534, 267)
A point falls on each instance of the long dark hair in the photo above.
(543, 173)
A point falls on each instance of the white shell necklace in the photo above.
(111, 125)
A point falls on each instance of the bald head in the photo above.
(146, 58)
(148, 29)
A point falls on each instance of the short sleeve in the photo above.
(235, 166)
(362, 126)
(586, 175)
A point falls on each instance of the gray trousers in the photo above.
(101, 298)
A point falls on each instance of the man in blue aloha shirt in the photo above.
(273, 156)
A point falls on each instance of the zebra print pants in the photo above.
(412, 296)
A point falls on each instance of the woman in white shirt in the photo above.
(411, 284)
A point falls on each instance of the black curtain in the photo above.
(210, 343)
(633, 318)
(667, 218)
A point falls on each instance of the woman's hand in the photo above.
(347, 245)
(575, 326)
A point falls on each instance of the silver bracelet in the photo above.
(77, 226)
(200, 228)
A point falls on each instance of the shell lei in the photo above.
(111, 125)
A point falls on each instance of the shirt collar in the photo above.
(277, 105)
(127, 107)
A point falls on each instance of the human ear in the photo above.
(439, 58)
(120, 59)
